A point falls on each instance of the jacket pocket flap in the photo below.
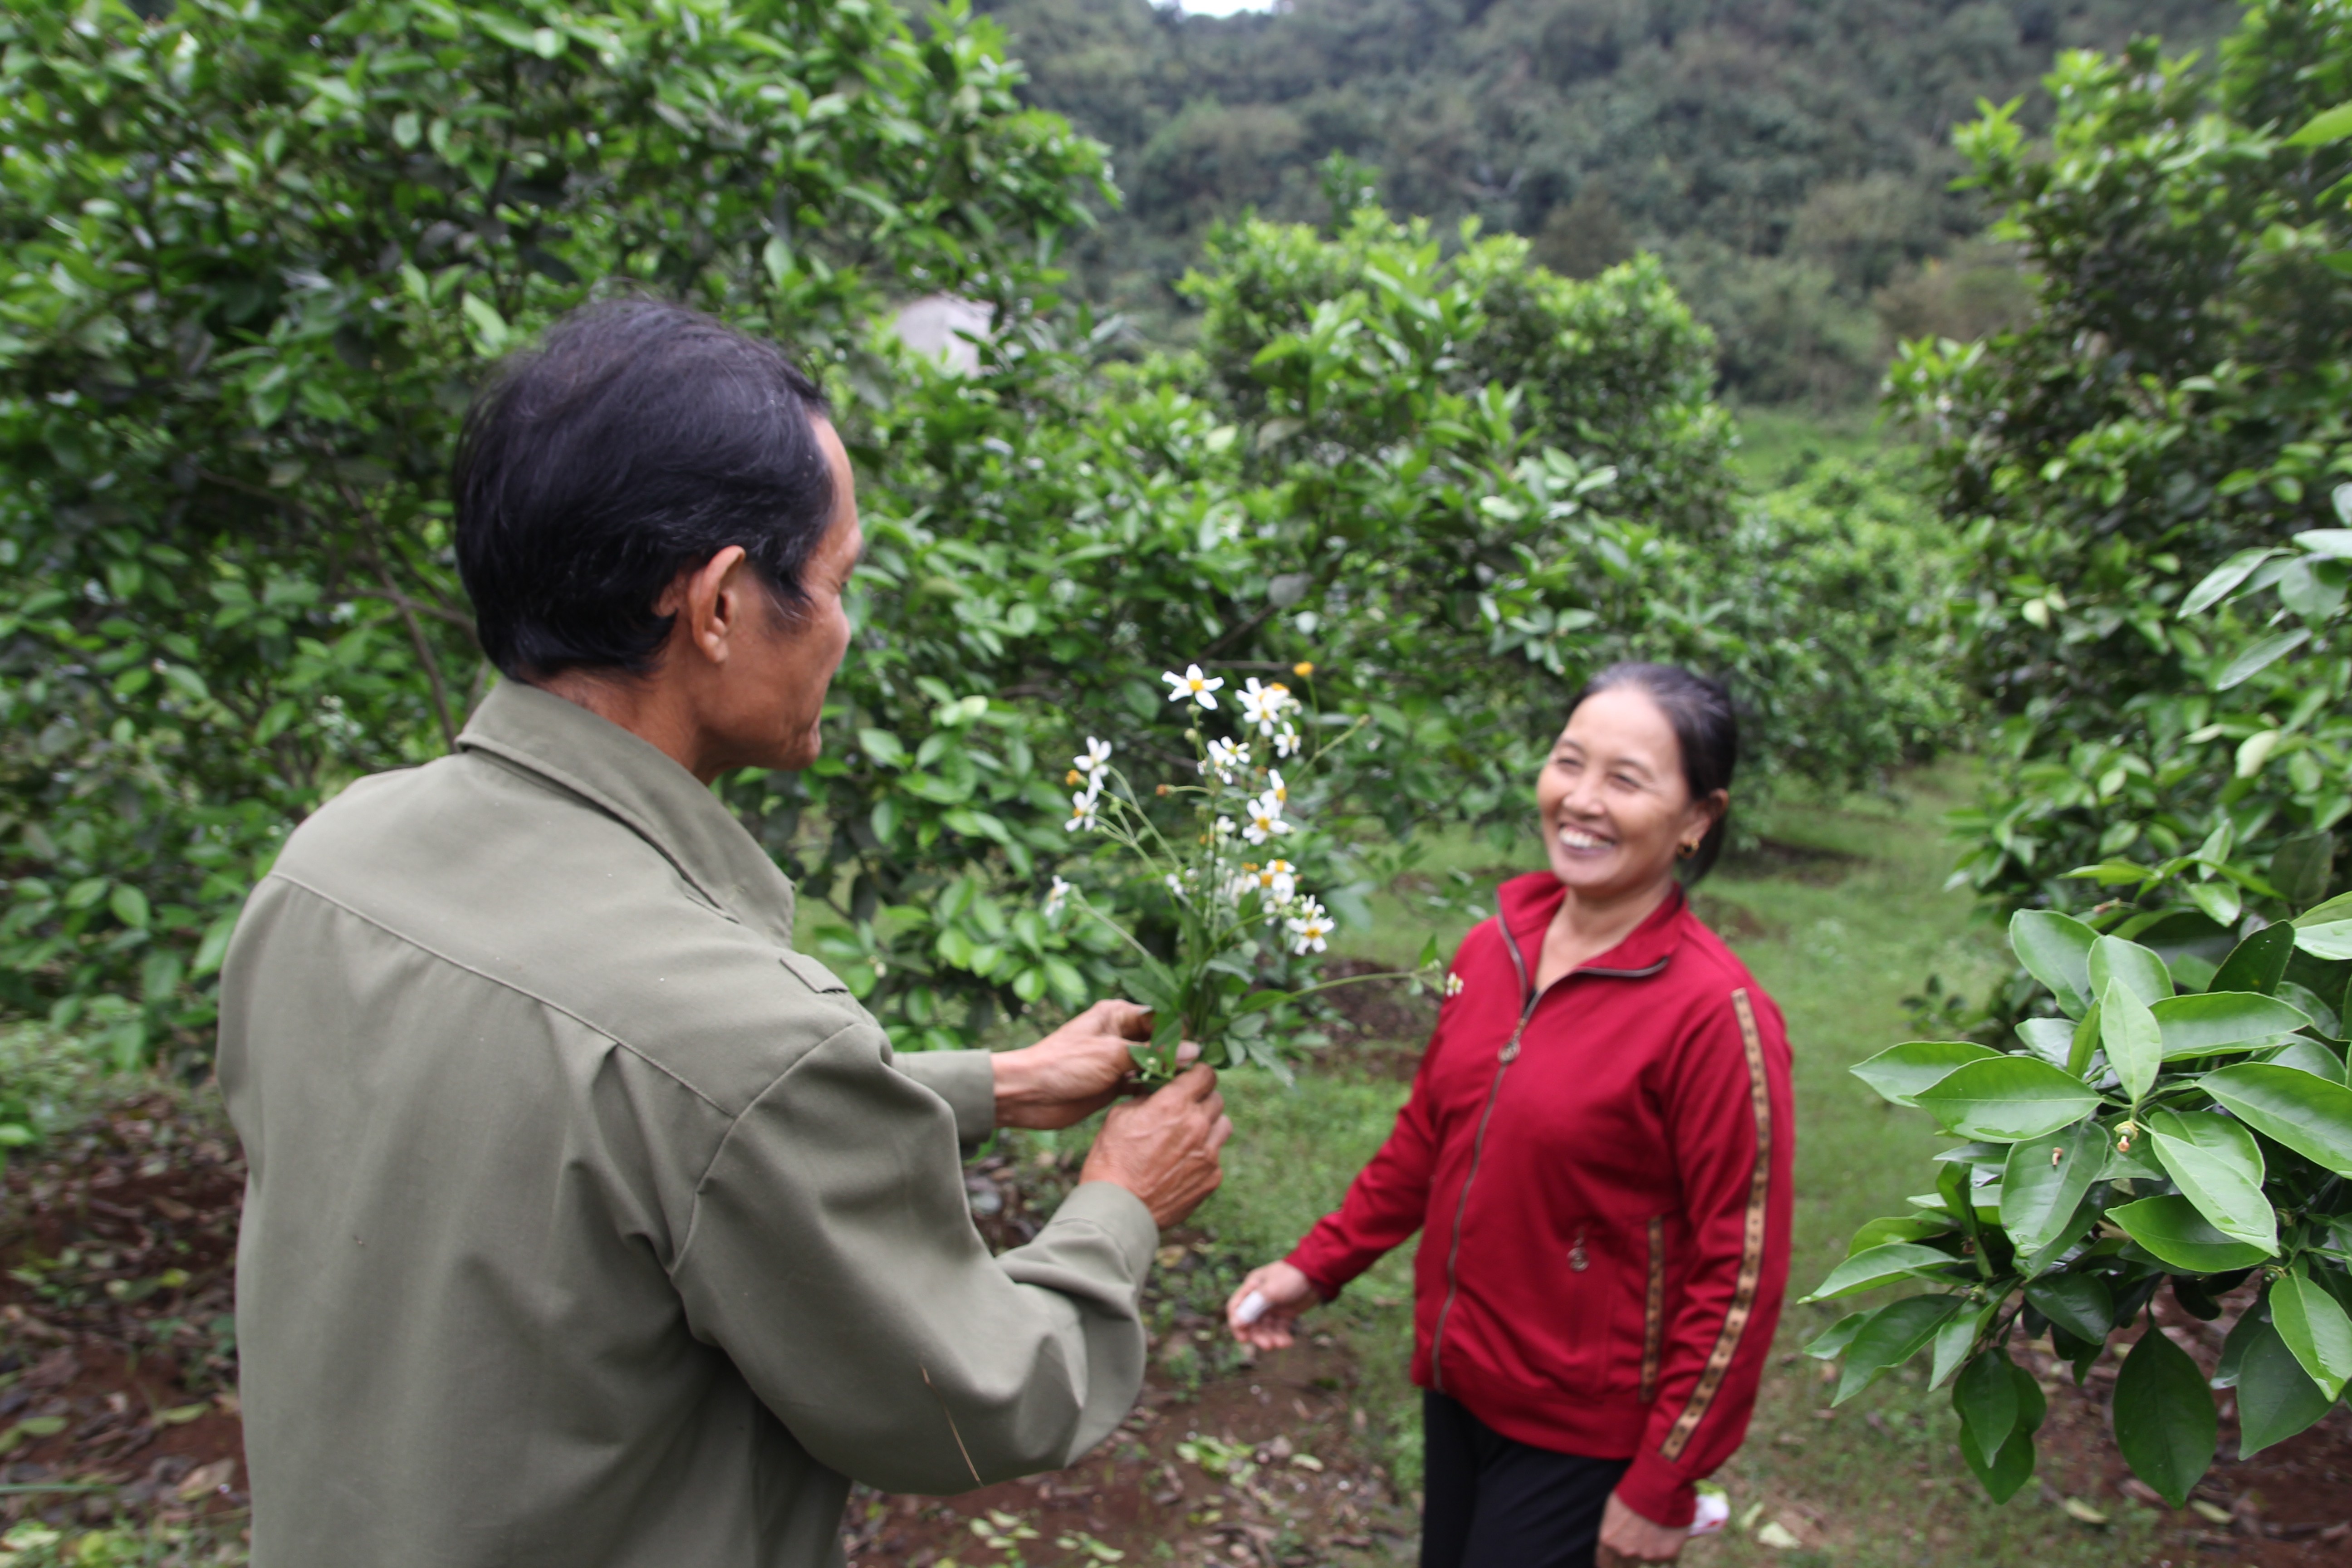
(811, 974)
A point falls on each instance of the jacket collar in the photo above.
(1530, 902)
(642, 786)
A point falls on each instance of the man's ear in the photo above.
(712, 603)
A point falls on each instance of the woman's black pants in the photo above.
(1495, 1502)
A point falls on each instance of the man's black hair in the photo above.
(1707, 731)
(638, 440)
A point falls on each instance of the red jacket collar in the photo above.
(1530, 902)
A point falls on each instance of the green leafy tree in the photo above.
(257, 258)
(2177, 400)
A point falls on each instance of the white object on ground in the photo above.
(1714, 1513)
(1252, 1309)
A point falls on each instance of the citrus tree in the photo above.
(2140, 1132)
(257, 259)
(2176, 399)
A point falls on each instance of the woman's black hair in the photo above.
(1706, 730)
(638, 440)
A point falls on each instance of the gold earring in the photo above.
(1684, 851)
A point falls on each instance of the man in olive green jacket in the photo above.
(588, 1223)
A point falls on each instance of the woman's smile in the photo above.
(1579, 840)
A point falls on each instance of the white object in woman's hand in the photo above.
(1261, 1310)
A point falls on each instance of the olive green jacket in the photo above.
(587, 1223)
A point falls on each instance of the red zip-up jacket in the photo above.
(1601, 1173)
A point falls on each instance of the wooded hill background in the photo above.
(1789, 159)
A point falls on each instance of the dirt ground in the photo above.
(116, 1376)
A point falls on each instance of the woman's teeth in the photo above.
(1575, 838)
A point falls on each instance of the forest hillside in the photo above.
(1789, 159)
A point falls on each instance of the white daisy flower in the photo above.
(1193, 686)
(1260, 705)
(1280, 881)
(1056, 896)
(1454, 986)
(1277, 788)
(1094, 759)
(1227, 758)
(1308, 928)
(1084, 812)
(1265, 819)
(1286, 743)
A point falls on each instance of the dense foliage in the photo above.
(2148, 479)
(2166, 760)
(256, 259)
(257, 263)
(1789, 160)
(2150, 1135)
(1381, 463)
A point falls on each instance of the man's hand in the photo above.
(1072, 1072)
(1627, 1538)
(1164, 1149)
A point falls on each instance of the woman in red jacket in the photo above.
(1597, 1154)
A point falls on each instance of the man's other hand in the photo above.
(1075, 1071)
(1164, 1150)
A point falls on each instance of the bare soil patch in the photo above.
(118, 1249)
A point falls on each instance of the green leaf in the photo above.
(2079, 1303)
(2164, 1417)
(2306, 1055)
(130, 906)
(2044, 1181)
(2331, 940)
(1891, 1336)
(2261, 656)
(2009, 1099)
(2172, 1228)
(2308, 1113)
(1986, 1400)
(2276, 1398)
(2219, 581)
(2220, 900)
(2113, 959)
(1900, 1074)
(2328, 125)
(2210, 1022)
(2134, 1044)
(2004, 1473)
(2258, 964)
(1954, 1340)
(1879, 1266)
(2217, 1166)
(1896, 1227)
(2056, 950)
(1830, 1342)
(2338, 908)
(2316, 1329)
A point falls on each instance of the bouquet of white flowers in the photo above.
(1232, 880)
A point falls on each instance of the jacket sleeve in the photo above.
(832, 1255)
(965, 1079)
(1385, 1202)
(1730, 1124)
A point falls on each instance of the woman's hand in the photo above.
(1626, 1537)
(1287, 1293)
